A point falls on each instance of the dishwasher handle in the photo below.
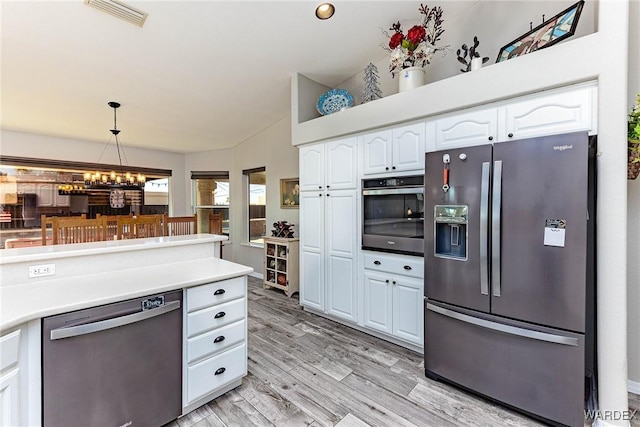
(89, 328)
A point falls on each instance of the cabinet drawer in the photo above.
(214, 317)
(9, 348)
(215, 293)
(404, 265)
(229, 366)
(215, 341)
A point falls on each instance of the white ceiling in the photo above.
(200, 75)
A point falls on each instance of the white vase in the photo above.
(476, 63)
(411, 78)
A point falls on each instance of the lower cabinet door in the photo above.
(377, 302)
(408, 311)
(9, 407)
(216, 372)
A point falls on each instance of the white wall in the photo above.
(271, 149)
(633, 189)
(21, 144)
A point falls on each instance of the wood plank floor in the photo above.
(307, 370)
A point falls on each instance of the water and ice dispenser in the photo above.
(450, 228)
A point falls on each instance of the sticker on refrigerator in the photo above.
(554, 230)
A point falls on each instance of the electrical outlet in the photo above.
(42, 270)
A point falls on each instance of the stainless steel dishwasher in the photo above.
(115, 365)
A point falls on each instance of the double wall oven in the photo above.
(393, 214)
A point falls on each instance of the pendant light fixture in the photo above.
(120, 178)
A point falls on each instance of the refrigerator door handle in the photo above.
(496, 203)
(484, 228)
(507, 329)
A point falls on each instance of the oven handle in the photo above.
(388, 191)
(89, 328)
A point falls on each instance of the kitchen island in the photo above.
(45, 281)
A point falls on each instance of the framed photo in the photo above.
(544, 35)
(290, 193)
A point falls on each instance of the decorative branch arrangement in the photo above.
(471, 52)
(418, 46)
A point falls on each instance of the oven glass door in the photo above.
(394, 212)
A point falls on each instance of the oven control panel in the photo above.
(405, 181)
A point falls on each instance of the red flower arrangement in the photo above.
(417, 48)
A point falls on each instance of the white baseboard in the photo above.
(633, 386)
(257, 275)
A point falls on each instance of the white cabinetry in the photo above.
(328, 228)
(26, 187)
(394, 150)
(548, 113)
(393, 295)
(48, 196)
(330, 166)
(215, 344)
(20, 375)
(9, 371)
(462, 130)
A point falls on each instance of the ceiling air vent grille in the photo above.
(119, 10)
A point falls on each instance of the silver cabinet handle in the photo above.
(484, 228)
(496, 204)
(507, 329)
(103, 325)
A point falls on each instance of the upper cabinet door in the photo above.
(408, 148)
(466, 129)
(312, 167)
(341, 164)
(377, 152)
(550, 114)
(45, 195)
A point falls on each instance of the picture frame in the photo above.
(547, 34)
(290, 193)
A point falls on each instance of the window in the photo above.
(211, 199)
(256, 180)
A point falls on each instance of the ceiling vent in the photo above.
(119, 10)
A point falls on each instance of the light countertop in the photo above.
(24, 302)
(38, 253)
(92, 274)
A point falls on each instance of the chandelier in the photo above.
(119, 178)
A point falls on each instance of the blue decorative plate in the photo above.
(334, 100)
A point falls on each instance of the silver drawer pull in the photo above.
(220, 371)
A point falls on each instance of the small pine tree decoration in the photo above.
(371, 90)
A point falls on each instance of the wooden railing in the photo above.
(79, 229)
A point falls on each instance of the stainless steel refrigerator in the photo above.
(509, 272)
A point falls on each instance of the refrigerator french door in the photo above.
(509, 272)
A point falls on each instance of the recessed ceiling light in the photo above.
(325, 11)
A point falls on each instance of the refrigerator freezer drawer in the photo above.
(508, 361)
